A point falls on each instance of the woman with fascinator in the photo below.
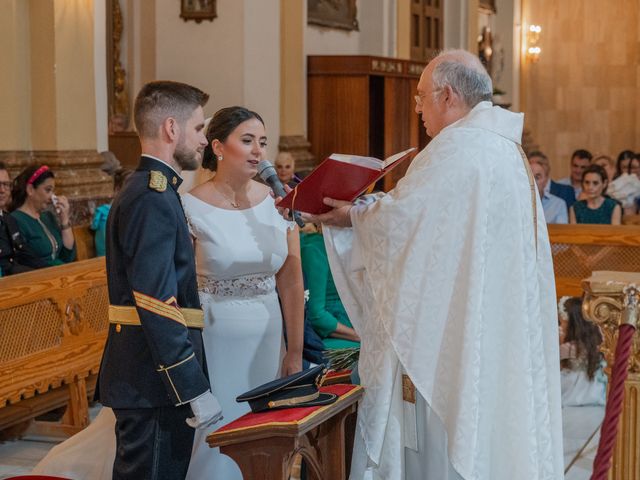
(48, 235)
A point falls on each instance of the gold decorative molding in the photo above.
(611, 299)
(119, 114)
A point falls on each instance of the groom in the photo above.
(153, 372)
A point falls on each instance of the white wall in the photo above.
(376, 35)
(235, 58)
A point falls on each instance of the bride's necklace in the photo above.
(227, 197)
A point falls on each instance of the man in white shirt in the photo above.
(555, 208)
(448, 280)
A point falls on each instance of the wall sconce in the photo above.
(533, 37)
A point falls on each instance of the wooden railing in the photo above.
(579, 250)
(53, 325)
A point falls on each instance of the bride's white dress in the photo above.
(238, 253)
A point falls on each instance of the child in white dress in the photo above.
(582, 379)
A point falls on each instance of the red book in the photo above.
(342, 177)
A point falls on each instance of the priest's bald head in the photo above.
(450, 86)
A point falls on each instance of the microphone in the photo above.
(269, 175)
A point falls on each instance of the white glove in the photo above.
(206, 411)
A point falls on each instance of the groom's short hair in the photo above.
(160, 100)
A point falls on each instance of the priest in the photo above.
(449, 282)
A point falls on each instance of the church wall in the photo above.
(235, 58)
(15, 114)
(74, 74)
(376, 34)
(583, 92)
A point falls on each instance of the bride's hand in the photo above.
(291, 363)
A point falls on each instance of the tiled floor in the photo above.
(20, 456)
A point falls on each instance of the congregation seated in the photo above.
(555, 208)
(15, 256)
(580, 160)
(622, 164)
(285, 167)
(47, 235)
(565, 192)
(324, 307)
(595, 208)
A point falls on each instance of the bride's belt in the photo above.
(245, 286)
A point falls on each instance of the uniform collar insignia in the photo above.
(157, 181)
(149, 163)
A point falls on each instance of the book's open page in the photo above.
(366, 162)
(395, 157)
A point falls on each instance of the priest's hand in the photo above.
(340, 216)
(206, 411)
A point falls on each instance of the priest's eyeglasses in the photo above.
(6, 185)
(418, 99)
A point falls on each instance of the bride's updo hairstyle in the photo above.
(224, 122)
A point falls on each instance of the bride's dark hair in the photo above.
(224, 122)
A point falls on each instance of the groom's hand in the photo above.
(206, 411)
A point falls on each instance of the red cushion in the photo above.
(36, 477)
(286, 415)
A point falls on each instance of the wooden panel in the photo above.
(398, 111)
(363, 105)
(338, 115)
(126, 147)
(584, 91)
(85, 242)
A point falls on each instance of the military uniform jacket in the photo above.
(151, 266)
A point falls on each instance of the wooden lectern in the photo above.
(265, 444)
(609, 298)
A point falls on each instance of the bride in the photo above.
(244, 250)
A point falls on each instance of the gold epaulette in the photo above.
(120, 315)
(157, 181)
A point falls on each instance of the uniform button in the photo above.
(118, 327)
(174, 180)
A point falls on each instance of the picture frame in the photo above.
(487, 6)
(341, 14)
(198, 10)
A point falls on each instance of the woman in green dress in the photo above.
(324, 307)
(595, 207)
(49, 235)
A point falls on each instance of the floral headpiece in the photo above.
(562, 308)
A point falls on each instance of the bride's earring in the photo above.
(219, 158)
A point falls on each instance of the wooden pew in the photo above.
(579, 250)
(53, 325)
(85, 242)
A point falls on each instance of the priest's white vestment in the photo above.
(449, 279)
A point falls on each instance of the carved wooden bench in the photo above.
(53, 326)
(579, 250)
(264, 445)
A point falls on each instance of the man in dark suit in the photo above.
(153, 372)
(565, 192)
(15, 255)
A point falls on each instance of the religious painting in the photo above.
(488, 6)
(333, 14)
(198, 10)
